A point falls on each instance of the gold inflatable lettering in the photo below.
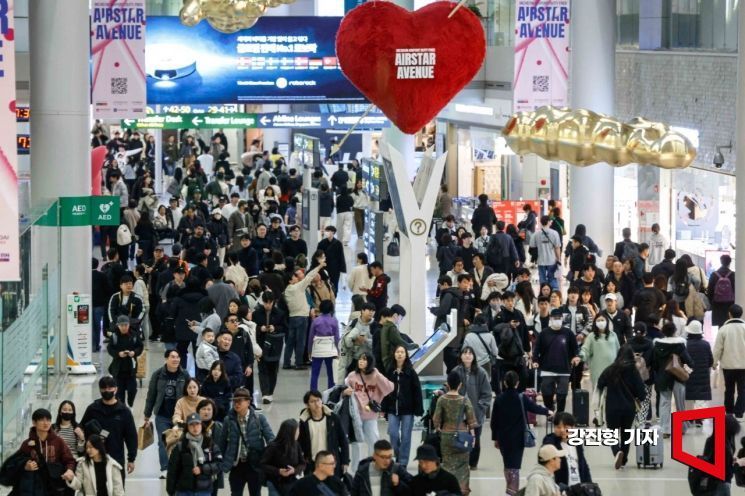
(227, 16)
(581, 137)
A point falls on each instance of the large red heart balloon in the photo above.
(410, 64)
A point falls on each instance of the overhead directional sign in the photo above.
(304, 120)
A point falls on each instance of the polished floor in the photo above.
(487, 480)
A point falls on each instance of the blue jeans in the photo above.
(162, 424)
(295, 340)
(315, 371)
(399, 430)
(546, 275)
(98, 316)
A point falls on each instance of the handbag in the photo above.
(324, 347)
(141, 372)
(675, 369)
(145, 436)
(372, 405)
(492, 358)
(463, 441)
(528, 434)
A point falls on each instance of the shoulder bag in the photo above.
(528, 434)
(492, 358)
(463, 441)
(372, 405)
(675, 368)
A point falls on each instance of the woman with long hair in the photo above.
(97, 473)
(282, 460)
(673, 314)
(624, 390)
(519, 240)
(525, 300)
(361, 202)
(66, 426)
(367, 387)
(585, 299)
(509, 423)
(403, 404)
(476, 386)
(665, 383)
(217, 388)
(187, 404)
(545, 290)
(679, 284)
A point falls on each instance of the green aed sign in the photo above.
(89, 211)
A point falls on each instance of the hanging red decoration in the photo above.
(410, 64)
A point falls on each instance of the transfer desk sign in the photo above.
(541, 54)
(9, 249)
(118, 87)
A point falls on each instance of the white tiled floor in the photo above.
(488, 480)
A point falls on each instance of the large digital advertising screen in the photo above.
(280, 59)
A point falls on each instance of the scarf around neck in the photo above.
(195, 447)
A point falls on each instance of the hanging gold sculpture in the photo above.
(226, 16)
(581, 137)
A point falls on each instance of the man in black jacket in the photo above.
(620, 323)
(394, 479)
(126, 302)
(667, 266)
(243, 348)
(574, 468)
(624, 284)
(432, 478)
(483, 215)
(333, 439)
(271, 327)
(554, 353)
(335, 260)
(322, 481)
(111, 417)
(450, 298)
(101, 289)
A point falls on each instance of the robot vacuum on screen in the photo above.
(169, 62)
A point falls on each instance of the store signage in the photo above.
(9, 248)
(541, 54)
(23, 142)
(79, 320)
(419, 62)
(118, 58)
(280, 59)
(89, 211)
(260, 121)
(23, 114)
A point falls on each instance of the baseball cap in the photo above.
(193, 419)
(611, 296)
(426, 452)
(241, 394)
(549, 452)
(216, 211)
(557, 313)
(122, 320)
(179, 270)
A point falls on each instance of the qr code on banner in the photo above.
(119, 86)
(540, 84)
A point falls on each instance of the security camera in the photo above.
(718, 160)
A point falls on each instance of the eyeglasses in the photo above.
(232, 321)
(384, 457)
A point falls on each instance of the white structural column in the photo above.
(60, 97)
(740, 161)
(593, 42)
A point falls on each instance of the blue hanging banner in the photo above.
(350, 4)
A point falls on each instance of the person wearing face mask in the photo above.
(599, 351)
(111, 416)
(554, 353)
(577, 319)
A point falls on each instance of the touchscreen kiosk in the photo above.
(427, 360)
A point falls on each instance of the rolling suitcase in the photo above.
(581, 407)
(532, 395)
(651, 456)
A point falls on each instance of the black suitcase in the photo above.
(581, 407)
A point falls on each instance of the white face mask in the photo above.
(494, 306)
(555, 324)
(601, 324)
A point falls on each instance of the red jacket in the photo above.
(53, 449)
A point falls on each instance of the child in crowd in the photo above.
(206, 354)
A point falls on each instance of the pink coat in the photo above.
(378, 387)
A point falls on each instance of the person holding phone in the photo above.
(283, 461)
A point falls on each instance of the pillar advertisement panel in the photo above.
(118, 58)
(9, 249)
(541, 54)
(79, 347)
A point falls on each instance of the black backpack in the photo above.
(700, 483)
(377, 348)
(681, 288)
(630, 250)
(510, 345)
(494, 253)
(584, 489)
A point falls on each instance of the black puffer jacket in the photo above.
(406, 398)
(181, 462)
(643, 346)
(698, 386)
(663, 349)
(186, 307)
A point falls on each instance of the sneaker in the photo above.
(473, 468)
(286, 367)
(619, 460)
(267, 400)
(163, 474)
(300, 367)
